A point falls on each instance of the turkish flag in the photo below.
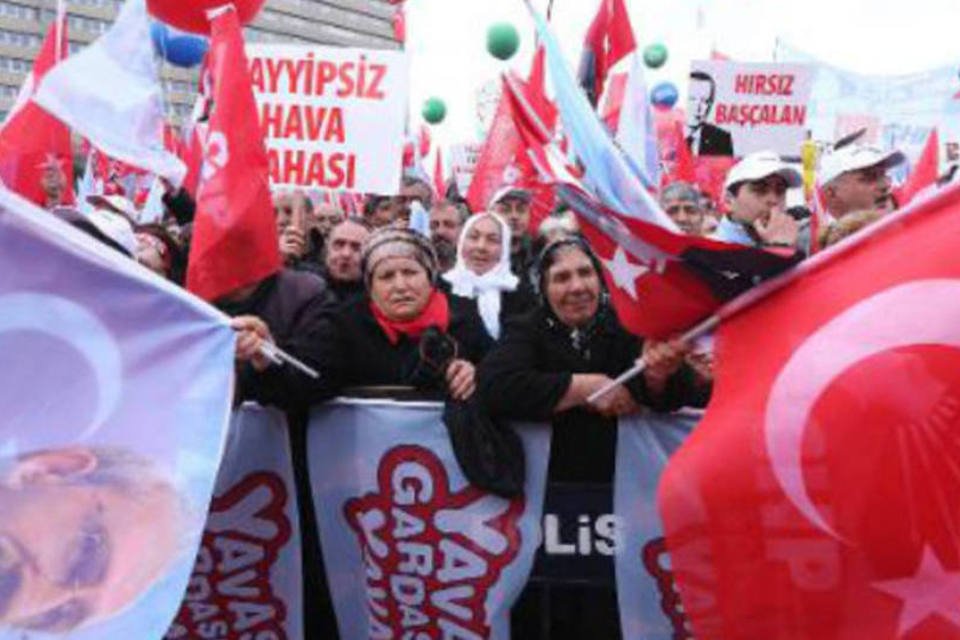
(820, 496)
(609, 39)
(235, 235)
(32, 141)
(685, 168)
(924, 174)
(504, 159)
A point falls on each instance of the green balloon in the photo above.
(655, 55)
(434, 110)
(502, 40)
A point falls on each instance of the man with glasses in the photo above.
(756, 193)
(683, 203)
(854, 178)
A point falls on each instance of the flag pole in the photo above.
(60, 18)
(766, 289)
(280, 357)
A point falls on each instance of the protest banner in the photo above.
(410, 547)
(898, 111)
(463, 163)
(116, 395)
(737, 108)
(332, 117)
(247, 581)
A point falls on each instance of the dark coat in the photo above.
(355, 352)
(530, 370)
(293, 304)
(714, 141)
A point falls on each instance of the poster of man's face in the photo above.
(84, 533)
(700, 96)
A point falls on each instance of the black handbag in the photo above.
(491, 455)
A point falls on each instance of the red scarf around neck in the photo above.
(435, 313)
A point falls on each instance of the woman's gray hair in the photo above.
(683, 191)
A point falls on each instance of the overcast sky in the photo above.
(446, 39)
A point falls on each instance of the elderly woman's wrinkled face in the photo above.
(483, 245)
(573, 287)
(400, 287)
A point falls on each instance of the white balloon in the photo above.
(924, 312)
(72, 323)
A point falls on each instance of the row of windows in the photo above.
(116, 4)
(19, 11)
(15, 64)
(19, 39)
(90, 25)
(177, 110)
(335, 32)
(6, 91)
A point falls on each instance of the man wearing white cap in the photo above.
(755, 190)
(854, 178)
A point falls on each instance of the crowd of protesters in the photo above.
(481, 307)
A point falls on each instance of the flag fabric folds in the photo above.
(125, 122)
(609, 39)
(32, 141)
(235, 235)
(819, 497)
(608, 172)
(109, 365)
(661, 282)
(925, 172)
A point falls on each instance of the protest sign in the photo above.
(247, 580)
(411, 549)
(898, 111)
(116, 391)
(463, 162)
(737, 108)
(332, 117)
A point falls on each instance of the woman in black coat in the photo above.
(545, 367)
(404, 331)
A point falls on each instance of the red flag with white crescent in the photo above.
(33, 142)
(820, 496)
(235, 235)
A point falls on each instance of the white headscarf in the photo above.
(485, 288)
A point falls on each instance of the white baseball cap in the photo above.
(113, 226)
(856, 156)
(117, 204)
(758, 166)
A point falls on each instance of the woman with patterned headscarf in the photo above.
(544, 368)
(404, 331)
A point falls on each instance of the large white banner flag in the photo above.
(116, 390)
(411, 549)
(247, 582)
(332, 117)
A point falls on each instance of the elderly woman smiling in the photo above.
(482, 271)
(404, 331)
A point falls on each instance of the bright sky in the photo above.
(447, 39)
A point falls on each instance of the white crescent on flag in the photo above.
(897, 317)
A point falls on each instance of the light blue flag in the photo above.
(116, 391)
(608, 171)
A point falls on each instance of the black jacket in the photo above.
(293, 304)
(527, 374)
(355, 352)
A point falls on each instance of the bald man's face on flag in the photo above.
(84, 533)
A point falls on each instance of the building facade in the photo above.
(23, 23)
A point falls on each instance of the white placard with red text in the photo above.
(410, 547)
(333, 117)
(747, 107)
(247, 580)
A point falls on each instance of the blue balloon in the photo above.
(176, 47)
(664, 95)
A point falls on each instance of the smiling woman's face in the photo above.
(400, 287)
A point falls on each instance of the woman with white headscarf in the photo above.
(482, 271)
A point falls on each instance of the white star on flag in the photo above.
(931, 590)
(624, 272)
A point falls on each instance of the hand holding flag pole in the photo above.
(279, 357)
(701, 329)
